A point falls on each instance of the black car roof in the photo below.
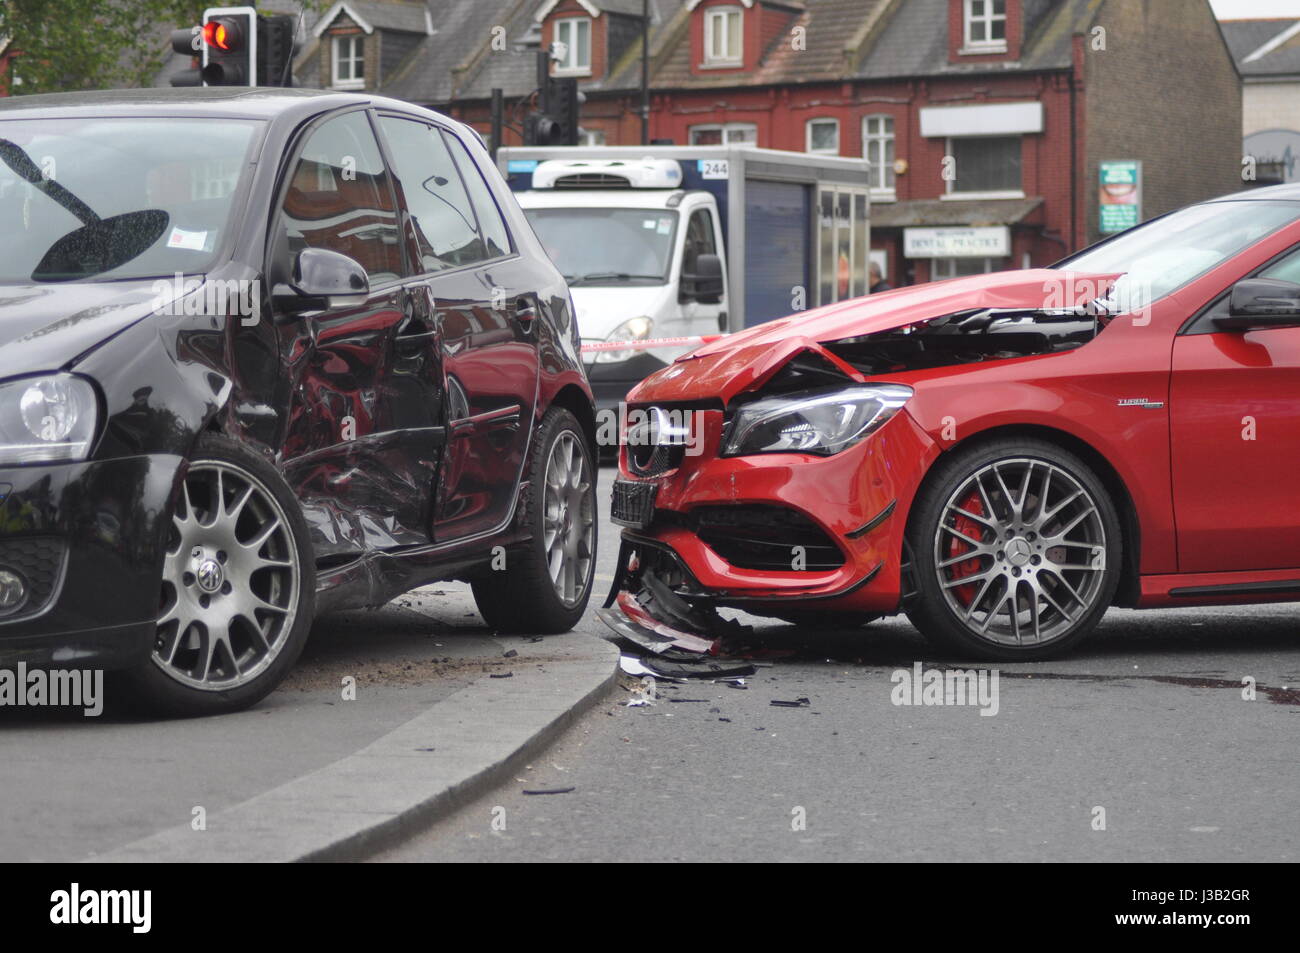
(230, 102)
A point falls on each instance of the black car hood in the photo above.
(44, 327)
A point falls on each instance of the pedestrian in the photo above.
(878, 282)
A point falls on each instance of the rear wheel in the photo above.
(1016, 552)
(546, 582)
(237, 589)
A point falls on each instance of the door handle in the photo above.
(525, 313)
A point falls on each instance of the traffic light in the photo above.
(238, 48)
(555, 123)
(564, 102)
(275, 49)
(229, 46)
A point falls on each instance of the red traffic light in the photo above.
(224, 34)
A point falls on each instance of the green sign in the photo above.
(1120, 195)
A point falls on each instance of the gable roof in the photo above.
(1264, 47)
(371, 15)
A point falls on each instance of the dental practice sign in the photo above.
(1119, 194)
(981, 242)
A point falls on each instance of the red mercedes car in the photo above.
(1001, 457)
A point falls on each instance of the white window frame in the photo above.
(726, 128)
(880, 192)
(989, 18)
(713, 16)
(952, 194)
(569, 65)
(337, 80)
(808, 136)
(989, 267)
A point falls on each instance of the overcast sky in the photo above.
(1252, 9)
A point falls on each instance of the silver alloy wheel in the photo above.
(230, 580)
(1020, 552)
(568, 518)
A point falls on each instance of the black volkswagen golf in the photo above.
(263, 353)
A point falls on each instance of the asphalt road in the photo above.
(1147, 723)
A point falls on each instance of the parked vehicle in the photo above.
(1001, 457)
(665, 242)
(267, 352)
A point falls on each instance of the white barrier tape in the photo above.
(650, 344)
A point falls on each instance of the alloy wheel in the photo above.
(1020, 552)
(568, 518)
(230, 580)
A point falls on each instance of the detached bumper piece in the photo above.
(661, 633)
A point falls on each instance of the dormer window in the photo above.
(985, 24)
(349, 62)
(723, 43)
(573, 46)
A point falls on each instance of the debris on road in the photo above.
(549, 790)
(797, 703)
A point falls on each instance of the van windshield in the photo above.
(119, 197)
(607, 246)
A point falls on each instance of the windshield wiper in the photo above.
(611, 276)
(13, 156)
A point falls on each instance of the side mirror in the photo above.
(323, 279)
(705, 283)
(1262, 303)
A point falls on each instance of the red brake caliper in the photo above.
(967, 527)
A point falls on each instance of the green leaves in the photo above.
(69, 45)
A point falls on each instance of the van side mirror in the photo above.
(704, 284)
(1261, 303)
(323, 279)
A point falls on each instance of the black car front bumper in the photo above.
(87, 539)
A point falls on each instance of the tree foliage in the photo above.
(69, 45)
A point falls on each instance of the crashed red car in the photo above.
(1001, 457)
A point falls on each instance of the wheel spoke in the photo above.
(211, 601)
(1022, 595)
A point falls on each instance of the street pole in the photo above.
(645, 72)
(498, 120)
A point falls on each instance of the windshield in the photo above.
(116, 198)
(607, 246)
(1163, 255)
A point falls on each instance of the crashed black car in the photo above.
(263, 353)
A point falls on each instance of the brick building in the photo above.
(987, 122)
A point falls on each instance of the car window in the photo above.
(699, 239)
(340, 198)
(1288, 269)
(492, 225)
(1160, 256)
(118, 197)
(446, 230)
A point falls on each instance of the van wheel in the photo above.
(1015, 552)
(237, 591)
(546, 582)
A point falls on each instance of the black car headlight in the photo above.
(823, 424)
(46, 419)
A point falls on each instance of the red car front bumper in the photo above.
(856, 500)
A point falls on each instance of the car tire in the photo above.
(1042, 566)
(238, 587)
(546, 582)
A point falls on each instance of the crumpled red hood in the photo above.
(741, 361)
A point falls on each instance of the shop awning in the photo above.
(975, 212)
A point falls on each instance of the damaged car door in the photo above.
(485, 306)
(364, 428)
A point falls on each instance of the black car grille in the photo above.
(39, 560)
(649, 461)
(759, 536)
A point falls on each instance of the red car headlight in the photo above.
(823, 423)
